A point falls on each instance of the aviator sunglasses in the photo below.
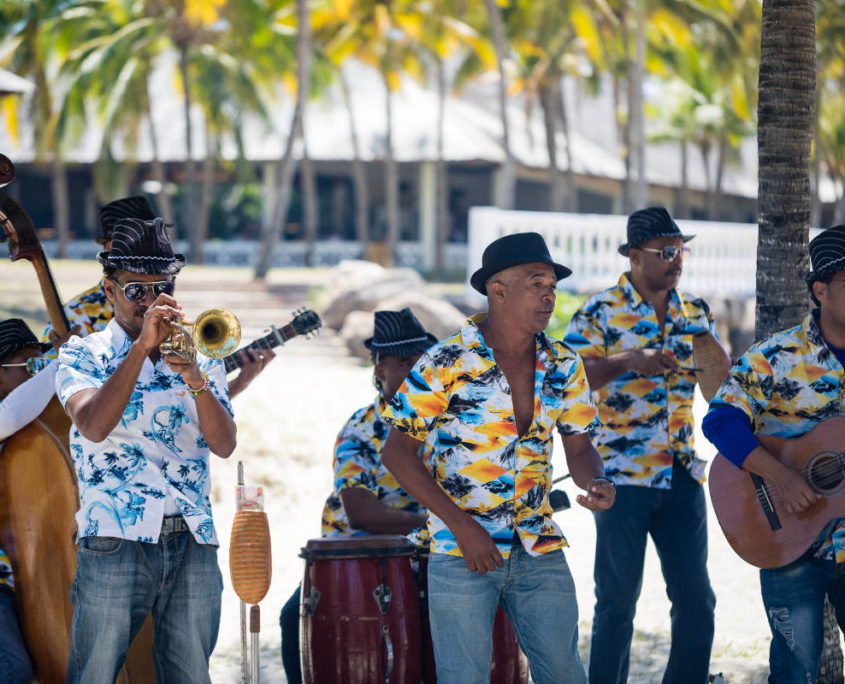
(137, 291)
(669, 252)
(32, 365)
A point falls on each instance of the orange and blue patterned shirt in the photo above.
(457, 400)
(90, 309)
(357, 463)
(787, 384)
(646, 422)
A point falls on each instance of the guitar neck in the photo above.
(276, 337)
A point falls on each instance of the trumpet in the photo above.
(215, 333)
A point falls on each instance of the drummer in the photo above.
(18, 345)
(90, 311)
(366, 497)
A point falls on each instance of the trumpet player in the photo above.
(143, 426)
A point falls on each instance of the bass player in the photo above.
(785, 385)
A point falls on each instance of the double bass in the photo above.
(39, 496)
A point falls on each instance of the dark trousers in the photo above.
(289, 622)
(676, 519)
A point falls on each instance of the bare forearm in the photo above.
(583, 461)
(601, 371)
(365, 512)
(216, 425)
(97, 412)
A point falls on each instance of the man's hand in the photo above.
(158, 320)
(654, 362)
(253, 362)
(794, 491)
(189, 370)
(601, 493)
(57, 341)
(478, 548)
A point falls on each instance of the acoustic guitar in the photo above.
(750, 510)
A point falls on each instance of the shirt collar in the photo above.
(677, 304)
(472, 339)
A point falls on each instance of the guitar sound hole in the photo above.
(825, 473)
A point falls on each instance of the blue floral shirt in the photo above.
(156, 451)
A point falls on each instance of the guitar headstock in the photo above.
(305, 321)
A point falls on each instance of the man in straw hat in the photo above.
(143, 427)
(785, 385)
(366, 498)
(487, 401)
(636, 342)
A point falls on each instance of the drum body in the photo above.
(508, 664)
(360, 611)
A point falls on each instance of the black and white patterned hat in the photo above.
(15, 335)
(398, 333)
(136, 207)
(141, 246)
(827, 253)
(647, 224)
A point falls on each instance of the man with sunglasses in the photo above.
(91, 310)
(636, 342)
(143, 427)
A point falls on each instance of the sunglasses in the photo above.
(33, 365)
(667, 253)
(136, 292)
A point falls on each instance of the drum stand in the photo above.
(250, 567)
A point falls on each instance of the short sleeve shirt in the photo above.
(155, 451)
(357, 463)
(786, 385)
(91, 309)
(646, 421)
(457, 400)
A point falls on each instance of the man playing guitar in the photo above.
(784, 386)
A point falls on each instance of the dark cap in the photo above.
(827, 253)
(16, 335)
(398, 333)
(513, 250)
(142, 247)
(136, 207)
(647, 224)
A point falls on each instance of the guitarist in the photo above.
(785, 385)
(91, 311)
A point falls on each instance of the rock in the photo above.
(437, 316)
(357, 327)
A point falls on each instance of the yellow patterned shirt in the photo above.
(787, 384)
(90, 309)
(357, 463)
(645, 421)
(457, 400)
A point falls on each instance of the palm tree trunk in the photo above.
(555, 181)
(637, 104)
(507, 193)
(441, 170)
(61, 203)
(391, 182)
(165, 206)
(206, 197)
(683, 196)
(359, 173)
(311, 216)
(571, 191)
(189, 212)
(715, 199)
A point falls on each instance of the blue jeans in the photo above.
(537, 593)
(119, 582)
(15, 666)
(794, 600)
(676, 519)
(289, 622)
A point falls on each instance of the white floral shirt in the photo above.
(155, 452)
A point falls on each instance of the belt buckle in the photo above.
(173, 523)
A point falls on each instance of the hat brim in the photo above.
(402, 348)
(478, 279)
(625, 248)
(144, 266)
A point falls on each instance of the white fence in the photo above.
(723, 261)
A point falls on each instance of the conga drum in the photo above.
(360, 611)
(508, 664)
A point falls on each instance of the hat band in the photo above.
(118, 257)
(424, 338)
(830, 265)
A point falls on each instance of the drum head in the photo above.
(362, 546)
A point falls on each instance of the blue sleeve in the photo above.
(729, 430)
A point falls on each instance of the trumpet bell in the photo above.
(216, 333)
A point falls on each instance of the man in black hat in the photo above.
(143, 427)
(636, 342)
(91, 310)
(786, 385)
(366, 498)
(486, 402)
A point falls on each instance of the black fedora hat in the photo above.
(16, 335)
(827, 253)
(136, 207)
(647, 224)
(398, 333)
(513, 250)
(141, 246)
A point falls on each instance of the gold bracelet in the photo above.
(200, 390)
